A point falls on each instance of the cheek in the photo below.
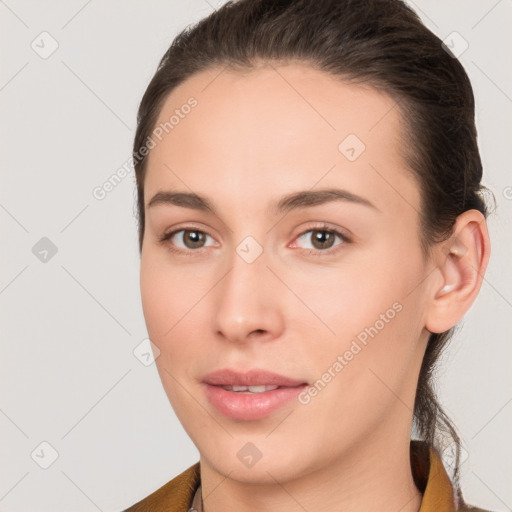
(164, 295)
(355, 297)
(374, 310)
(373, 355)
(155, 298)
(171, 302)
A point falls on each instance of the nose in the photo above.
(247, 302)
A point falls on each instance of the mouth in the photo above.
(252, 389)
(254, 380)
(250, 396)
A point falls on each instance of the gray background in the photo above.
(70, 323)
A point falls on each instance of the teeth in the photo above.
(250, 389)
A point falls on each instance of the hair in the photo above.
(381, 43)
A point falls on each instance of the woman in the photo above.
(311, 229)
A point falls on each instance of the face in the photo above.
(327, 289)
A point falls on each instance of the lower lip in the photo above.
(250, 406)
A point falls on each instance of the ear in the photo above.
(461, 262)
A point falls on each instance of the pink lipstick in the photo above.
(251, 395)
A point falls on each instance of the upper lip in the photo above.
(253, 377)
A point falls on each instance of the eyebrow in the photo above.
(293, 201)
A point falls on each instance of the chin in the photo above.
(260, 462)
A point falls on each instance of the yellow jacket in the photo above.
(429, 474)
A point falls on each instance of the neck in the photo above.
(374, 476)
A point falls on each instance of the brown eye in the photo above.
(193, 239)
(323, 240)
(186, 239)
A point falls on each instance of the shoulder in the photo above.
(174, 496)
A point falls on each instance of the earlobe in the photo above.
(461, 261)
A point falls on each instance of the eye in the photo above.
(322, 240)
(191, 239)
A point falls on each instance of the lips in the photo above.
(253, 377)
(251, 395)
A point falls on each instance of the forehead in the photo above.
(280, 127)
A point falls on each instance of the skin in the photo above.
(253, 138)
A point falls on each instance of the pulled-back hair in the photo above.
(381, 43)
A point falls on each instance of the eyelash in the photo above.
(328, 252)
(309, 252)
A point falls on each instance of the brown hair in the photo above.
(379, 42)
